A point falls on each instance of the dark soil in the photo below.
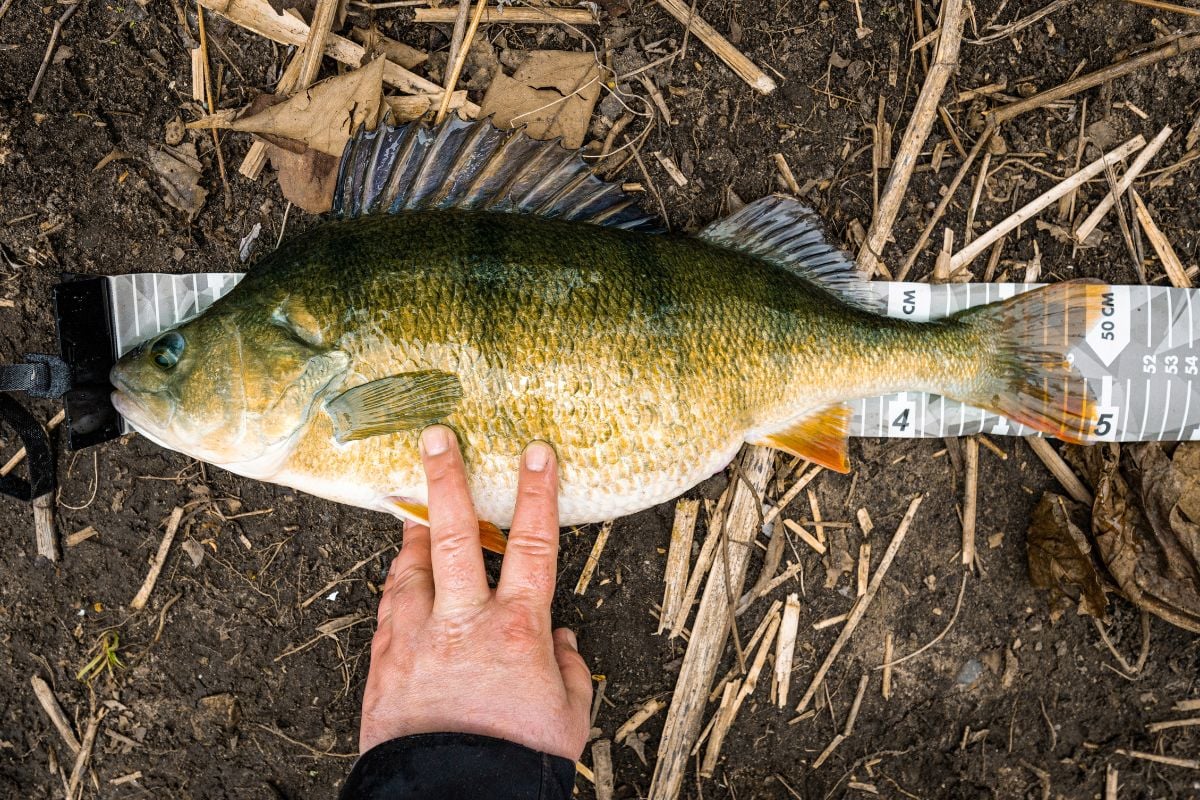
(216, 700)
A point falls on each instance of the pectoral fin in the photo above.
(403, 402)
(490, 537)
(822, 437)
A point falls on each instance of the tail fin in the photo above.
(1029, 378)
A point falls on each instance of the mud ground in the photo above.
(228, 687)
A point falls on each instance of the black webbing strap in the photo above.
(38, 455)
(40, 376)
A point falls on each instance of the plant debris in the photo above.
(1144, 529)
(552, 93)
(178, 170)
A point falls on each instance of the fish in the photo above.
(490, 282)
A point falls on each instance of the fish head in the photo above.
(232, 389)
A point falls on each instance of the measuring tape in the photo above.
(1139, 360)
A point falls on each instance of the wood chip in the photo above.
(970, 499)
(864, 567)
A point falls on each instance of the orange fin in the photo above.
(490, 537)
(823, 437)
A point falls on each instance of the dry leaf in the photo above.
(1144, 526)
(552, 93)
(322, 117)
(178, 170)
(1060, 557)
(307, 178)
(375, 42)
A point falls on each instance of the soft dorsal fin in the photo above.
(787, 233)
(475, 165)
(822, 437)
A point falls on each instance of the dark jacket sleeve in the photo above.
(458, 766)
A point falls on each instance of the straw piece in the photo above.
(1135, 168)
(1170, 761)
(785, 648)
(678, 553)
(729, 709)
(1059, 468)
(1155, 727)
(531, 15)
(791, 493)
(644, 712)
(593, 558)
(733, 58)
(805, 536)
(160, 558)
(1034, 206)
(888, 646)
(49, 703)
(314, 44)
(1162, 245)
(602, 768)
(80, 536)
(970, 499)
(945, 62)
(864, 602)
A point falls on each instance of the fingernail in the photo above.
(569, 635)
(537, 456)
(435, 440)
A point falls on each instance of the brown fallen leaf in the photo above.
(1060, 557)
(408, 107)
(1148, 542)
(178, 170)
(374, 42)
(306, 178)
(323, 117)
(552, 93)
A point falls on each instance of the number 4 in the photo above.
(901, 421)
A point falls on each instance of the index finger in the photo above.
(531, 558)
(458, 574)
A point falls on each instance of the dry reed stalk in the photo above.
(733, 58)
(945, 62)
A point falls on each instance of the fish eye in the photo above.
(167, 349)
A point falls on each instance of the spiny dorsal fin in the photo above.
(475, 165)
(787, 233)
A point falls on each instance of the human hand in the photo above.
(451, 654)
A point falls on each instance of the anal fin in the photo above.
(822, 437)
(490, 537)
